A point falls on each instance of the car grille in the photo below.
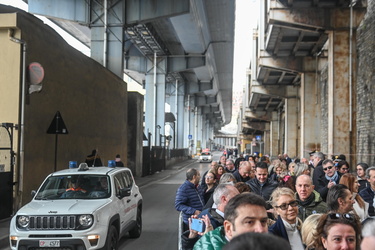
(52, 222)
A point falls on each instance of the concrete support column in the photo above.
(155, 101)
(309, 114)
(338, 94)
(274, 134)
(266, 139)
(181, 137)
(291, 124)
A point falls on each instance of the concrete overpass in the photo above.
(181, 51)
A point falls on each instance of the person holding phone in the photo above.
(189, 197)
(215, 216)
(245, 212)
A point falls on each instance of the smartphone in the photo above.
(198, 225)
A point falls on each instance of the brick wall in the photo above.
(366, 87)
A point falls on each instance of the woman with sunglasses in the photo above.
(360, 207)
(338, 231)
(288, 225)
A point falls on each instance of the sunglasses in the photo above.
(336, 216)
(330, 167)
(285, 206)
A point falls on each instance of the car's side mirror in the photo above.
(33, 193)
(124, 192)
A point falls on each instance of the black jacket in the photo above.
(265, 191)
(318, 173)
(321, 186)
(368, 195)
(239, 178)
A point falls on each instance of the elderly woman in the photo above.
(338, 231)
(301, 168)
(288, 224)
(360, 206)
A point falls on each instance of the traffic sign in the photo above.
(190, 137)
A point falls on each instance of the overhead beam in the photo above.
(182, 63)
(260, 115)
(147, 10)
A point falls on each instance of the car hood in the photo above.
(59, 207)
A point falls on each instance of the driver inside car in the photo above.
(74, 189)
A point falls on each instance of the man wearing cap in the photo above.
(330, 178)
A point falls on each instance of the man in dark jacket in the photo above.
(318, 158)
(331, 178)
(308, 199)
(261, 185)
(368, 193)
(189, 196)
(242, 174)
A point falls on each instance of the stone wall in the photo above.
(93, 102)
(366, 87)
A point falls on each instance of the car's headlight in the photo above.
(85, 220)
(23, 221)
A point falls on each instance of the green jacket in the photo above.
(213, 240)
(317, 206)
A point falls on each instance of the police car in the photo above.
(80, 208)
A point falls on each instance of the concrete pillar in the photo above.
(274, 134)
(155, 101)
(181, 137)
(291, 124)
(266, 139)
(338, 93)
(309, 113)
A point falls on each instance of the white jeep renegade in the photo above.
(80, 208)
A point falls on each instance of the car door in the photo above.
(132, 199)
(123, 204)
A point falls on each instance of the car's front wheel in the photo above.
(111, 242)
(137, 229)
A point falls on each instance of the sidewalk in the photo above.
(140, 181)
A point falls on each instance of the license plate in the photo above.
(49, 243)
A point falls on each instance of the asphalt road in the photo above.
(160, 218)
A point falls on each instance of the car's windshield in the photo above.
(206, 154)
(75, 187)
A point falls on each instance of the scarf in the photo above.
(333, 178)
(308, 201)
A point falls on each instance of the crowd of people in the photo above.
(316, 203)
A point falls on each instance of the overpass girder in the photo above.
(258, 115)
(261, 126)
(198, 87)
(205, 100)
(282, 63)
